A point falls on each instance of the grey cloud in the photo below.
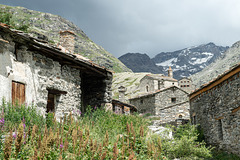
(147, 26)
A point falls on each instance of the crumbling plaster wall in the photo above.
(217, 111)
(38, 73)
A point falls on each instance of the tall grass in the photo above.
(98, 134)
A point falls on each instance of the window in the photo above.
(53, 95)
(51, 103)
(141, 101)
(173, 100)
(18, 93)
(220, 130)
(180, 116)
(147, 88)
(172, 83)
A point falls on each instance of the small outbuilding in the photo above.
(53, 78)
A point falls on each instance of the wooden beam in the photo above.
(215, 83)
(236, 109)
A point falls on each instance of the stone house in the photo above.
(216, 107)
(153, 82)
(161, 96)
(122, 107)
(186, 84)
(52, 78)
(168, 103)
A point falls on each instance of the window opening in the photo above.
(220, 130)
(173, 100)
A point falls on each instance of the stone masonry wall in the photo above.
(218, 113)
(147, 82)
(38, 73)
(164, 98)
(144, 104)
(169, 114)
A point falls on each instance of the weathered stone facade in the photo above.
(216, 108)
(153, 82)
(186, 84)
(43, 70)
(172, 100)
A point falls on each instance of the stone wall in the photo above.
(40, 74)
(166, 98)
(144, 104)
(217, 111)
(172, 113)
(145, 83)
(160, 103)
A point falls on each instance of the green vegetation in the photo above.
(36, 23)
(98, 134)
(6, 16)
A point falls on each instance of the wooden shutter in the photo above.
(18, 93)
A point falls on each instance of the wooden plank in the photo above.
(215, 83)
(13, 92)
(18, 93)
(236, 109)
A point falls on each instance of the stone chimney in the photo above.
(170, 72)
(122, 91)
(67, 41)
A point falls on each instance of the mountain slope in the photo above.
(191, 60)
(138, 62)
(223, 63)
(47, 26)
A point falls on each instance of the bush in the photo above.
(185, 144)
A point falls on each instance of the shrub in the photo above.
(185, 144)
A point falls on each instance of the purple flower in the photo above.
(79, 112)
(14, 135)
(95, 107)
(2, 121)
(24, 125)
(61, 145)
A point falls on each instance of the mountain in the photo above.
(223, 63)
(191, 60)
(46, 26)
(138, 62)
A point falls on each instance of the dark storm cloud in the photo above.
(147, 26)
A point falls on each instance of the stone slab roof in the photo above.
(132, 107)
(218, 80)
(158, 91)
(160, 77)
(74, 60)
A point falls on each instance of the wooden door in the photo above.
(50, 103)
(18, 93)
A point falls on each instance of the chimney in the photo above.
(170, 72)
(122, 91)
(67, 40)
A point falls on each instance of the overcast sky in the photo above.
(147, 26)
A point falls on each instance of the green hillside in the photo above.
(47, 26)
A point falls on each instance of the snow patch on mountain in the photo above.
(168, 62)
(195, 60)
